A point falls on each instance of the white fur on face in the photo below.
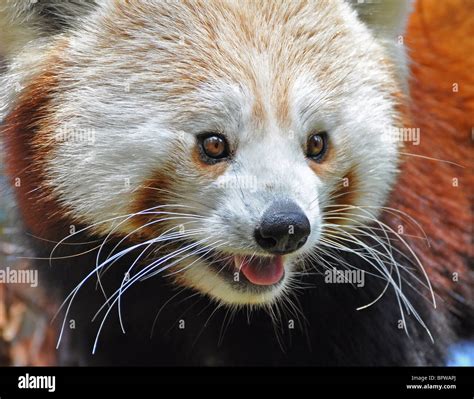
(134, 95)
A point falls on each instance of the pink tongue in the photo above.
(261, 271)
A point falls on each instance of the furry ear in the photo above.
(386, 18)
(22, 21)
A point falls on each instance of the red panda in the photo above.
(262, 175)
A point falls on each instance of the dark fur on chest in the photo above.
(191, 330)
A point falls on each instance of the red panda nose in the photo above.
(284, 228)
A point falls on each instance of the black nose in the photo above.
(284, 228)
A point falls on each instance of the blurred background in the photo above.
(25, 312)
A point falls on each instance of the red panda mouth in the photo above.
(260, 270)
(256, 272)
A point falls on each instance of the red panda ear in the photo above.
(387, 18)
(22, 21)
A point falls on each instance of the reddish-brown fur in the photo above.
(24, 131)
(442, 52)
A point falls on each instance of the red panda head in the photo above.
(247, 133)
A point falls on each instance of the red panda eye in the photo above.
(317, 146)
(214, 146)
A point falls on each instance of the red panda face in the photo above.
(236, 131)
